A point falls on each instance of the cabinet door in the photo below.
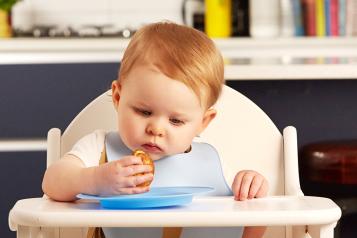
(33, 99)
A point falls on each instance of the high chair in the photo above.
(245, 138)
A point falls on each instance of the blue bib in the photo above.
(199, 167)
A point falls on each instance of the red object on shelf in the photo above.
(309, 12)
(330, 161)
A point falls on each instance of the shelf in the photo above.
(293, 69)
(246, 58)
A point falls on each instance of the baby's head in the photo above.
(181, 53)
(169, 79)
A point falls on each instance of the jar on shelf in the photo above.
(5, 24)
(5, 17)
(218, 18)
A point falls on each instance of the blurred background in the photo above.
(296, 59)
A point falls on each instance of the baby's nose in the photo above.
(155, 130)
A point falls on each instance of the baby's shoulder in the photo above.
(97, 135)
(100, 134)
(93, 139)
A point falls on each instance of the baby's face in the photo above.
(157, 114)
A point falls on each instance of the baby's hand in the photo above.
(249, 184)
(119, 176)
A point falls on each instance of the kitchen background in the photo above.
(109, 14)
(121, 13)
(35, 97)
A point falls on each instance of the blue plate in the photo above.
(155, 198)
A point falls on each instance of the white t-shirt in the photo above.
(89, 148)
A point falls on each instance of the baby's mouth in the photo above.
(152, 148)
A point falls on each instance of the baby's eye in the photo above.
(176, 122)
(143, 112)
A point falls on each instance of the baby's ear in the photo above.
(209, 115)
(116, 87)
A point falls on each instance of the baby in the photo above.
(170, 78)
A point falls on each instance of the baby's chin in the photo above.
(156, 156)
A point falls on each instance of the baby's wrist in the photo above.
(89, 179)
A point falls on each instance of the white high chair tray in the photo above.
(202, 212)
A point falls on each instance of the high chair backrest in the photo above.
(242, 133)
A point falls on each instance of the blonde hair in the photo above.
(181, 53)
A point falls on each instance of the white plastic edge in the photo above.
(53, 145)
(12, 225)
(292, 181)
(31, 144)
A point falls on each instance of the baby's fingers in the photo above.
(236, 185)
(245, 186)
(263, 190)
(133, 181)
(255, 186)
(136, 169)
(129, 160)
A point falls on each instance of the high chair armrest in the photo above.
(53, 145)
(292, 182)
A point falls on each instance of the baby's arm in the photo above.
(250, 184)
(67, 177)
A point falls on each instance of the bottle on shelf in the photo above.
(218, 18)
(264, 18)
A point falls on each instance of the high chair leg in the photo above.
(322, 231)
(23, 232)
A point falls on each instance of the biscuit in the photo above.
(145, 158)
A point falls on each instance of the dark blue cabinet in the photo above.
(33, 99)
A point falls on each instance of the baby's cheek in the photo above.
(130, 132)
(184, 140)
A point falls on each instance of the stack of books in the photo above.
(329, 17)
(281, 18)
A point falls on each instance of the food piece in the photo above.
(146, 161)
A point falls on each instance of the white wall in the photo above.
(121, 13)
